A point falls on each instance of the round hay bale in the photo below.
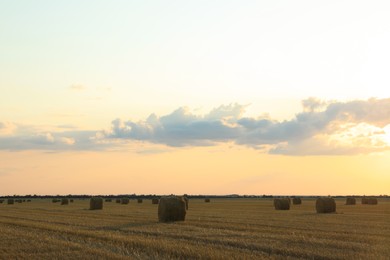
(364, 200)
(118, 201)
(71, 200)
(139, 200)
(108, 200)
(96, 203)
(297, 201)
(125, 201)
(10, 201)
(282, 204)
(325, 205)
(207, 200)
(64, 201)
(1, 201)
(350, 201)
(19, 201)
(28, 200)
(171, 208)
(155, 201)
(372, 201)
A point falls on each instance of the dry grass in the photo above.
(225, 229)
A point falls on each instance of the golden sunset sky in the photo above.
(196, 97)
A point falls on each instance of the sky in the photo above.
(196, 97)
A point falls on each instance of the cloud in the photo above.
(77, 87)
(181, 127)
(56, 141)
(7, 128)
(321, 128)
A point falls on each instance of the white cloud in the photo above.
(322, 128)
(77, 87)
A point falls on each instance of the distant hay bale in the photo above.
(372, 201)
(10, 201)
(125, 201)
(1, 201)
(282, 204)
(24, 200)
(96, 203)
(71, 200)
(28, 200)
(19, 201)
(108, 200)
(325, 205)
(350, 201)
(171, 208)
(207, 200)
(297, 201)
(118, 200)
(155, 201)
(139, 200)
(64, 201)
(369, 201)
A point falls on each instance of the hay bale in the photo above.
(350, 201)
(96, 203)
(155, 201)
(10, 201)
(207, 200)
(297, 201)
(64, 201)
(108, 200)
(118, 200)
(1, 201)
(372, 201)
(139, 200)
(71, 200)
(282, 204)
(325, 205)
(171, 208)
(28, 200)
(19, 201)
(369, 201)
(125, 200)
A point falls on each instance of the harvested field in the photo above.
(225, 229)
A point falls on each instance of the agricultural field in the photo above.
(222, 229)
